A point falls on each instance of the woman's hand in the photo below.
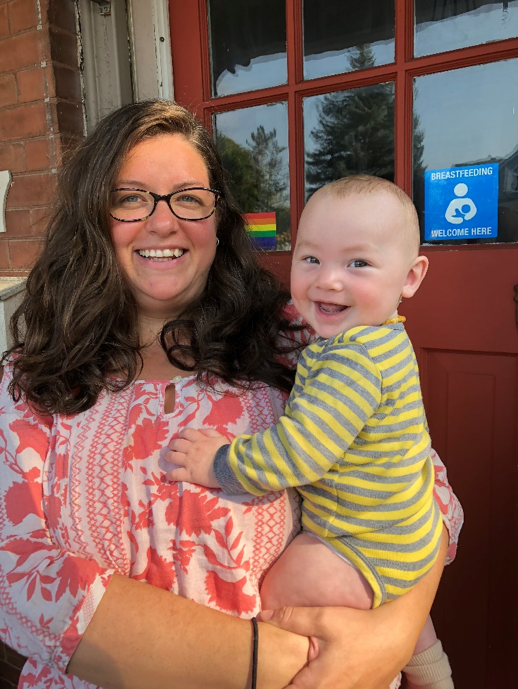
(349, 649)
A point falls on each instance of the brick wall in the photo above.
(41, 116)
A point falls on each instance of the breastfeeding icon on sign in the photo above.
(460, 209)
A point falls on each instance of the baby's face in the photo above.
(351, 262)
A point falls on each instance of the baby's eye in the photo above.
(310, 259)
(358, 263)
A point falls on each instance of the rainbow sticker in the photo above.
(262, 228)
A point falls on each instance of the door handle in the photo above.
(516, 300)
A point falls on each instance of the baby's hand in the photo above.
(193, 453)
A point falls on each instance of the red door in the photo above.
(464, 325)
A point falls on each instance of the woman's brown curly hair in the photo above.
(78, 322)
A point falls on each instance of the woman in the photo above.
(92, 539)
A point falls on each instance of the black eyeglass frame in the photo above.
(167, 199)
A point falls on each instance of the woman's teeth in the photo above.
(161, 254)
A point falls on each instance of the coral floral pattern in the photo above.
(84, 496)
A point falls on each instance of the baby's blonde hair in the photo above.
(368, 184)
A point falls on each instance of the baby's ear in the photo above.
(415, 276)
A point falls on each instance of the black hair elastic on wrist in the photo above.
(255, 652)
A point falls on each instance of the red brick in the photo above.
(63, 47)
(24, 252)
(62, 14)
(27, 223)
(23, 122)
(23, 15)
(4, 254)
(68, 83)
(4, 22)
(12, 157)
(24, 50)
(40, 218)
(28, 191)
(65, 147)
(18, 223)
(37, 154)
(8, 94)
(32, 85)
(50, 81)
(67, 117)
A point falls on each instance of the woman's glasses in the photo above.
(132, 205)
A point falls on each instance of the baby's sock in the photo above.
(429, 669)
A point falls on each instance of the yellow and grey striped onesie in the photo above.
(354, 442)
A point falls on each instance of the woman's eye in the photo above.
(358, 264)
(130, 199)
(188, 199)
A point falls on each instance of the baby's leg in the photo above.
(429, 667)
(309, 573)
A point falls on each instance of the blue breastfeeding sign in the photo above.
(461, 203)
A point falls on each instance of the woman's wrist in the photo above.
(281, 656)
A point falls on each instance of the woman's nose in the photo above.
(162, 221)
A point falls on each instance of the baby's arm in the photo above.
(320, 422)
(193, 454)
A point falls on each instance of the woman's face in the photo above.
(164, 286)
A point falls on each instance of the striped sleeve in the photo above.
(337, 389)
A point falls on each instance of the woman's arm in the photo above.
(358, 649)
(142, 637)
(46, 592)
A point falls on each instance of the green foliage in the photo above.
(355, 133)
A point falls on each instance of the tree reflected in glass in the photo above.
(350, 132)
(258, 167)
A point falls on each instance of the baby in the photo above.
(353, 440)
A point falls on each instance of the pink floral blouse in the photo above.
(84, 496)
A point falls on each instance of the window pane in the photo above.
(348, 132)
(253, 144)
(465, 128)
(333, 31)
(452, 24)
(247, 45)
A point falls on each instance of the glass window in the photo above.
(348, 132)
(333, 31)
(253, 145)
(452, 24)
(247, 45)
(465, 128)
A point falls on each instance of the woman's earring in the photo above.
(217, 241)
